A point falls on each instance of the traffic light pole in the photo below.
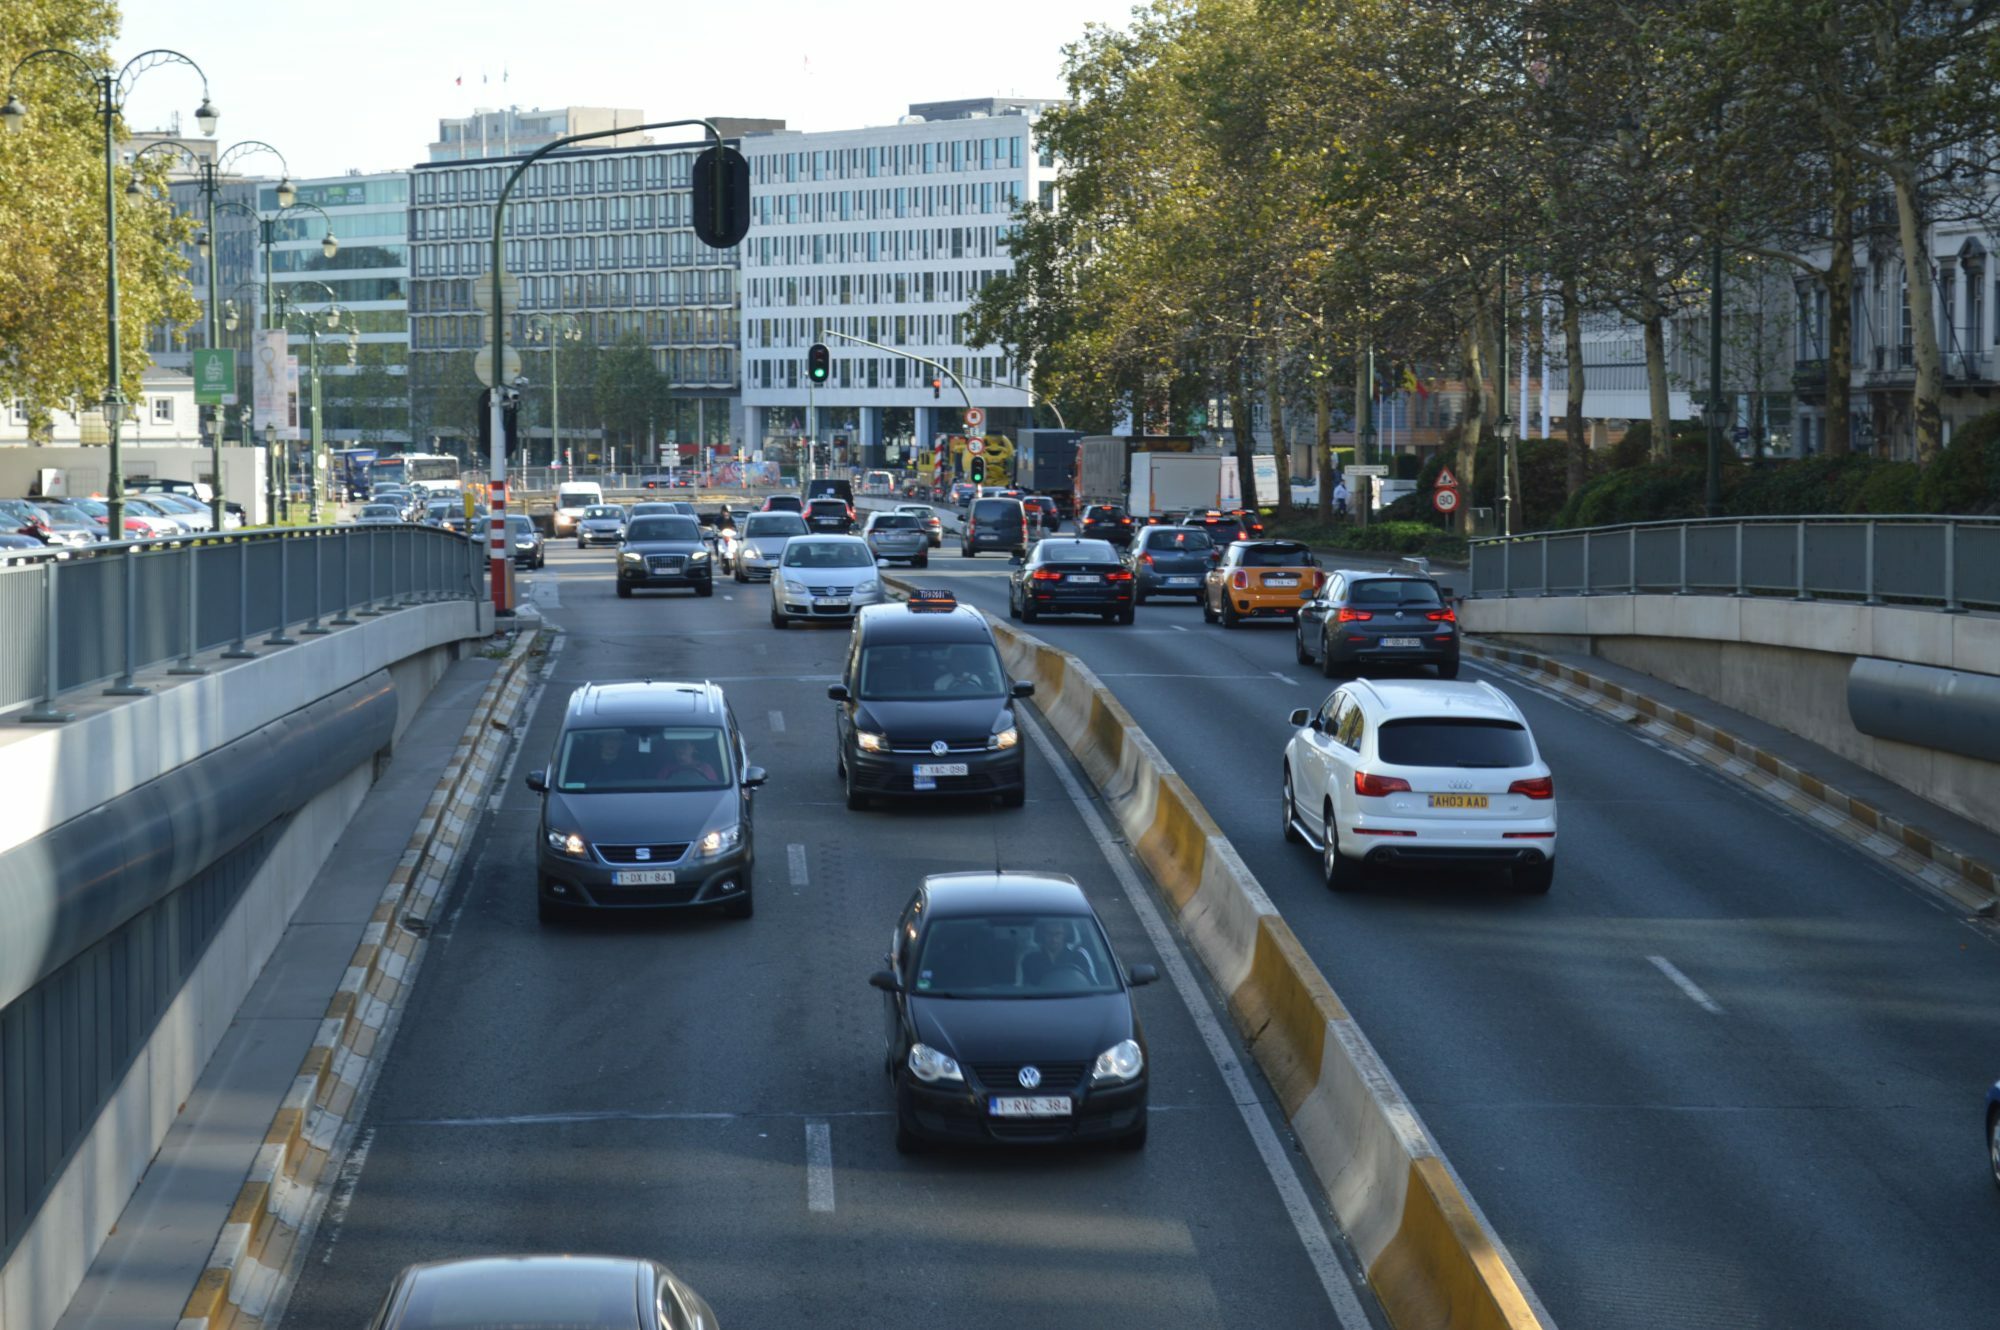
(937, 365)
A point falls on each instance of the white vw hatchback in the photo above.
(823, 577)
(1420, 774)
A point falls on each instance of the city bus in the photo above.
(433, 473)
(352, 472)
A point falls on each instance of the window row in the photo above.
(971, 154)
(985, 196)
(656, 250)
(870, 288)
(710, 286)
(943, 242)
(652, 168)
(678, 328)
(621, 212)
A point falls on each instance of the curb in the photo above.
(1911, 848)
(1427, 1252)
(246, 1265)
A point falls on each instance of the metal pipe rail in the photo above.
(1951, 564)
(101, 614)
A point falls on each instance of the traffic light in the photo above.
(977, 471)
(510, 420)
(818, 363)
(937, 388)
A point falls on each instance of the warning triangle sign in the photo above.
(1446, 480)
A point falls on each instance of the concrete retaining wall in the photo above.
(1784, 662)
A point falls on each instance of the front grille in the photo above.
(1004, 1078)
(660, 854)
(664, 563)
(840, 591)
(923, 748)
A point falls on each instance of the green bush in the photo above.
(1887, 487)
(1966, 478)
(1391, 537)
(1636, 494)
(1799, 487)
(1406, 466)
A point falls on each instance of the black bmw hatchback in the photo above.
(1008, 1019)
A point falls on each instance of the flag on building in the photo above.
(1412, 384)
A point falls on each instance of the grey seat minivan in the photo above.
(994, 524)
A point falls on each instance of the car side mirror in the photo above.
(1301, 717)
(886, 981)
(1022, 688)
(1141, 975)
(837, 691)
(754, 776)
(538, 781)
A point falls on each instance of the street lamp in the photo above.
(207, 173)
(554, 329)
(326, 317)
(112, 87)
(1503, 431)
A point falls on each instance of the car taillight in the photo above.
(1442, 616)
(1319, 579)
(1119, 576)
(1124, 521)
(1240, 580)
(1345, 615)
(1146, 559)
(1374, 787)
(1046, 575)
(1537, 787)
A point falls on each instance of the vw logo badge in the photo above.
(939, 748)
(1030, 1077)
(643, 852)
(1399, 614)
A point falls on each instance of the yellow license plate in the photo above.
(1458, 801)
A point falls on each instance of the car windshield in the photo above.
(1075, 551)
(1275, 556)
(378, 510)
(783, 503)
(915, 671)
(773, 524)
(520, 526)
(919, 511)
(1395, 591)
(996, 510)
(1104, 514)
(637, 759)
(62, 512)
(1014, 956)
(1454, 741)
(893, 522)
(828, 506)
(603, 512)
(1195, 541)
(663, 528)
(828, 554)
(641, 509)
(440, 510)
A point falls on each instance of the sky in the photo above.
(361, 84)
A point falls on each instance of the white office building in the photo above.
(885, 233)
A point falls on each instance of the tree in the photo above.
(52, 283)
(627, 389)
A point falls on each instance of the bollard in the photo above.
(277, 637)
(1545, 566)
(1632, 559)
(346, 619)
(46, 712)
(123, 686)
(186, 663)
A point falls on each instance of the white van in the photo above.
(572, 497)
(878, 482)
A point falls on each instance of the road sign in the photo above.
(510, 292)
(1445, 500)
(482, 365)
(975, 446)
(974, 417)
(1446, 480)
(214, 376)
(1354, 472)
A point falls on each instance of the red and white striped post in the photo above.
(497, 501)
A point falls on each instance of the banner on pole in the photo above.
(288, 428)
(267, 380)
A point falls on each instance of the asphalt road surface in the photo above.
(709, 1092)
(1729, 1073)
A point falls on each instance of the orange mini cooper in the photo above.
(1260, 579)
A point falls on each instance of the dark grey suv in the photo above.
(994, 524)
(1361, 621)
(646, 802)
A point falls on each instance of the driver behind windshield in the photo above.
(1053, 952)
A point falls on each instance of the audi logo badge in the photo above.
(643, 852)
(1399, 614)
(1459, 784)
(939, 748)
(1030, 1077)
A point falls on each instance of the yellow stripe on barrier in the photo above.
(1440, 1269)
(1175, 847)
(1283, 1007)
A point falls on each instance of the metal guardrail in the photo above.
(80, 617)
(1949, 563)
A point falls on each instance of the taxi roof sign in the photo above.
(923, 601)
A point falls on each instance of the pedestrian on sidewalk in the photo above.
(1340, 498)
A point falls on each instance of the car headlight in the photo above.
(871, 742)
(569, 843)
(1121, 1062)
(869, 588)
(794, 589)
(697, 556)
(1006, 738)
(631, 556)
(930, 1066)
(751, 554)
(720, 841)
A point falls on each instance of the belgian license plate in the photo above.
(936, 769)
(1030, 1106)
(1458, 801)
(1183, 581)
(840, 602)
(1402, 642)
(1083, 579)
(1281, 581)
(644, 877)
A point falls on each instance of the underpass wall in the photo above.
(1787, 663)
(214, 936)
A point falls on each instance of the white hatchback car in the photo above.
(1420, 774)
(824, 577)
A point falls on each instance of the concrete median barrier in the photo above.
(1428, 1254)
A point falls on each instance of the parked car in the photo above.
(69, 525)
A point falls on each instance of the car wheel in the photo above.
(1139, 597)
(1535, 879)
(1993, 1142)
(778, 620)
(1341, 873)
(1292, 835)
(1016, 797)
(1028, 611)
(1207, 611)
(737, 573)
(1299, 647)
(1134, 1140)
(907, 1140)
(581, 545)
(624, 592)
(1328, 666)
(966, 551)
(1013, 608)
(548, 912)
(706, 588)
(1109, 616)
(1229, 618)
(740, 907)
(1448, 670)
(921, 561)
(1126, 615)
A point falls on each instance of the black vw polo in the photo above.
(926, 706)
(665, 551)
(1008, 1018)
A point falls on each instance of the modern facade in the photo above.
(886, 233)
(605, 237)
(510, 131)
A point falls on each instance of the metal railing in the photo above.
(76, 618)
(1948, 563)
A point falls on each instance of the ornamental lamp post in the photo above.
(326, 317)
(112, 87)
(555, 330)
(1503, 432)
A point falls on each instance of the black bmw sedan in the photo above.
(1061, 576)
(1008, 1019)
(665, 551)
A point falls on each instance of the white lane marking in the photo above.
(795, 859)
(1179, 628)
(729, 595)
(1277, 1161)
(777, 722)
(1686, 985)
(1283, 678)
(343, 1191)
(819, 1167)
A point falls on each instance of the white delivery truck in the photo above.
(1178, 482)
(572, 497)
